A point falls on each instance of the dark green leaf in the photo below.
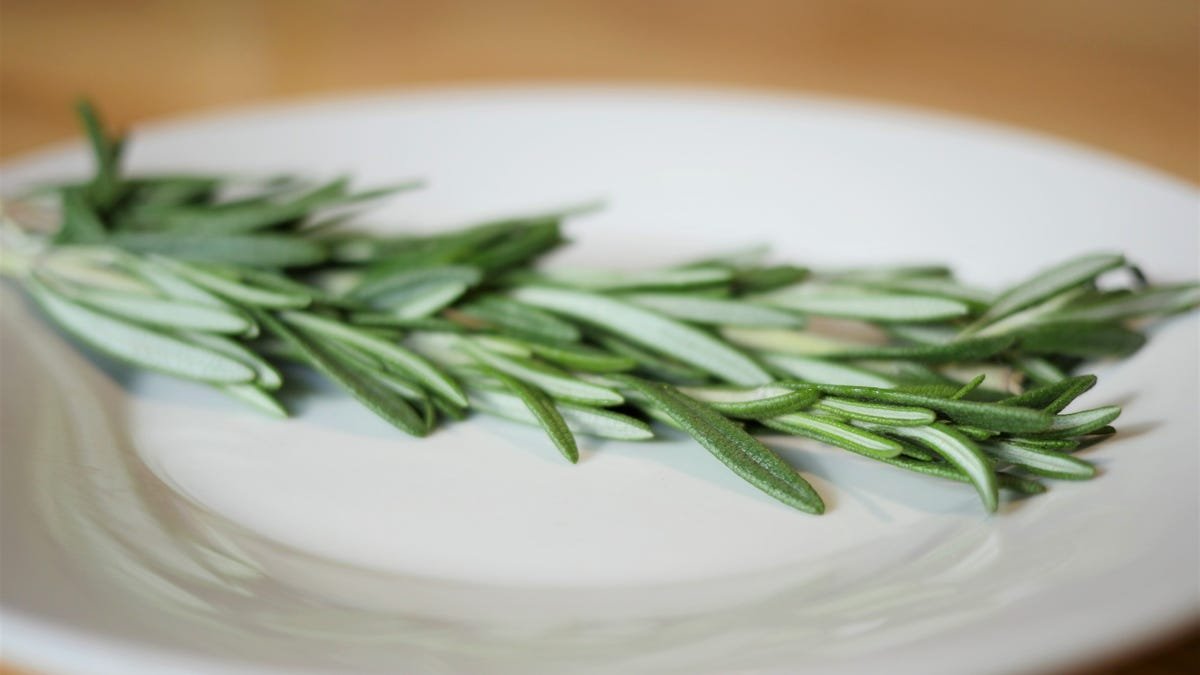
(253, 250)
(1084, 340)
(80, 223)
(1050, 282)
(1053, 397)
(959, 451)
(738, 450)
(542, 407)
(351, 377)
(963, 350)
(511, 316)
(835, 433)
(985, 415)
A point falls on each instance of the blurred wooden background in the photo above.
(1121, 75)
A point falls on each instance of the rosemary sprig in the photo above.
(215, 279)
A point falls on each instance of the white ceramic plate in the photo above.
(150, 526)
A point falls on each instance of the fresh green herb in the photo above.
(940, 378)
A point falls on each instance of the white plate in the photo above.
(150, 526)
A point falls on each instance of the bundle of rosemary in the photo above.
(218, 280)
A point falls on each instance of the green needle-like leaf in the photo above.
(990, 416)
(679, 278)
(1048, 463)
(255, 396)
(552, 381)
(517, 318)
(877, 413)
(960, 451)
(835, 433)
(581, 358)
(1006, 481)
(80, 223)
(770, 400)
(233, 288)
(1053, 397)
(962, 350)
(106, 186)
(581, 419)
(406, 361)
(375, 396)
(165, 312)
(253, 250)
(713, 311)
(940, 287)
(384, 288)
(1081, 423)
(650, 330)
(266, 376)
(738, 450)
(542, 408)
(1085, 340)
(832, 372)
(869, 306)
(1162, 300)
(1050, 282)
(140, 346)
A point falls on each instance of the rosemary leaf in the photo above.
(713, 311)
(771, 400)
(679, 278)
(164, 312)
(782, 341)
(402, 359)
(256, 397)
(1050, 282)
(106, 186)
(1053, 397)
(831, 372)
(581, 419)
(651, 364)
(653, 331)
(963, 350)
(80, 224)
(265, 375)
(1081, 423)
(387, 289)
(551, 380)
(230, 286)
(989, 416)
(766, 279)
(542, 408)
(939, 287)
(251, 250)
(1163, 300)
(1007, 481)
(738, 450)
(881, 307)
(581, 357)
(1085, 340)
(877, 413)
(1047, 463)
(959, 451)
(835, 433)
(376, 397)
(140, 346)
(522, 320)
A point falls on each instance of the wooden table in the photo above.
(1120, 75)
